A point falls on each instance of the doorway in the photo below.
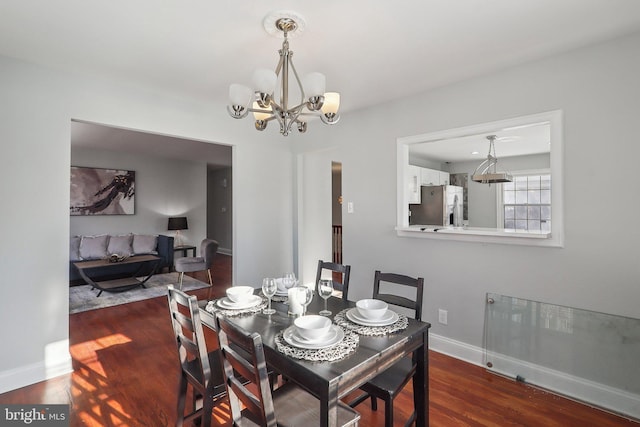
(336, 212)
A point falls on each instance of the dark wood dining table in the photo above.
(330, 381)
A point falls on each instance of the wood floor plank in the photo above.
(126, 374)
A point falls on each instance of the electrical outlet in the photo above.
(442, 316)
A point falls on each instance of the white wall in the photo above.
(36, 110)
(598, 268)
(164, 188)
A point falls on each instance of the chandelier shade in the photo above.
(269, 98)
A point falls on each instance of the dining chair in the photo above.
(343, 271)
(288, 405)
(198, 367)
(388, 384)
(208, 250)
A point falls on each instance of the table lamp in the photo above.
(178, 223)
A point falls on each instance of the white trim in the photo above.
(583, 390)
(13, 379)
(554, 239)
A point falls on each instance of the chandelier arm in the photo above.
(295, 73)
(234, 113)
(335, 118)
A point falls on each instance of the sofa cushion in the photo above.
(120, 245)
(74, 249)
(94, 247)
(144, 244)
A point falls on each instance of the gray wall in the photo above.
(219, 208)
(36, 110)
(596, 88)
(161, 192)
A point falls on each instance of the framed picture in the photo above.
(96, 191)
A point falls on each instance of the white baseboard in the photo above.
(23, 376)
(225, 251)
(586, 391)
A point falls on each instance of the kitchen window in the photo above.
(525, 203)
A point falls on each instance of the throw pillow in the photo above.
(74, 249)
(120, 245)
(94, 247)
(144, 244)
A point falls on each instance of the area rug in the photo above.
(82, 298)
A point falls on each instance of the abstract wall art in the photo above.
(96, 191)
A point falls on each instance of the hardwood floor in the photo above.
(126, 374)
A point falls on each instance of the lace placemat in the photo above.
(329, 354)
(341, 320)
(213, 308)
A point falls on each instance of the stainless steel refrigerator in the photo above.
(440, 205)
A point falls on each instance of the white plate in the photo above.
(389, 318)
(335, 335)
(227, 304)
(280, 293)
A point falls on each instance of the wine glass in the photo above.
(269, 288)
(304, 297)
(289, 280)
(325, 289)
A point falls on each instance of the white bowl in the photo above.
(371, 308)
(312, 326)
(239, 294)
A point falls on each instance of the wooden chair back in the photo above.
(199, 368)
(244, 368)
(343, 272)
(401, 301)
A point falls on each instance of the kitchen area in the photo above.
(433, 201)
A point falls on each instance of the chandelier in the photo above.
(487, 172)
(270, 99)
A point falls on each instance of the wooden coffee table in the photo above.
(118, 285)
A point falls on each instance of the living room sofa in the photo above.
(85, 248)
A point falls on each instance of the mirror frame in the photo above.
(488, 235)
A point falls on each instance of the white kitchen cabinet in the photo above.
(443, 177)
(413, 184)
(429, 176)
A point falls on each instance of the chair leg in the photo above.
(182, 398)
(374, 403)
(210, 280)
(207, 409)
(388, 413)
(180, 280)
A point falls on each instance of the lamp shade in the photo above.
(314, 84)
(264, 80)
(178, 223)
(331, 103)
(258, 115)
(240, 94)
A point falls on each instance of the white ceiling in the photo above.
(91, 135)
(371, 51)
(510, 142)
